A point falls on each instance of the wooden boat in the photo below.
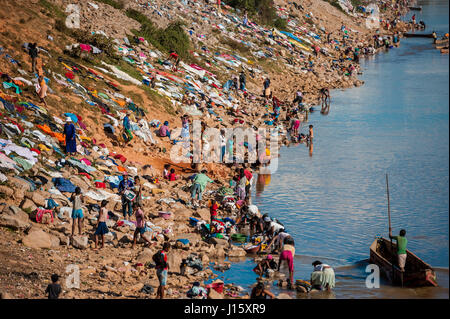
(441, 41)
(441, 46)
(418, 35)
(419, 8)
(444, 51)
(417, 272)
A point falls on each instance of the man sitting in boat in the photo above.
(322, 278)
(401, 248)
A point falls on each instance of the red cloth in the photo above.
(35, 150)
(69, 75)
(213, 209)
(248, 175)
(85, 174)
(100, 185)
(119, 157)
(172, 177)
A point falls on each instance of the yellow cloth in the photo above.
(42, 147)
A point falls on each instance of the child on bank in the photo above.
(101, 228)
(77, 210)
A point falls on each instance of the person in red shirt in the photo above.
(213, 210)
(162, 268)
(249, 177)
(172, 177)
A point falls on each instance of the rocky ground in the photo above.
(32, 251)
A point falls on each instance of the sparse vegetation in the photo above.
(173, 37)
(52, 9)
(117, 4)
(261, 10)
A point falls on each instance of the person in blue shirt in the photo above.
(127, 128)
(124, 185)
(70, 135)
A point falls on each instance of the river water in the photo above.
(334, 203)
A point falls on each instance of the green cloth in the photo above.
(401, 244)
(202, 180)
(23, 162)
(324, 279)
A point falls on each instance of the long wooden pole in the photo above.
(390, 229)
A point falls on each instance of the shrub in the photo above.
(262, 10)
(115, 4)
(173, 37)
(280, 24)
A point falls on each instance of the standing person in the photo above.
(322, 278)
(162, 267)
(260, 292)
(77, 210)
(33, 52)
(137, 190)
(240, 188)
(126, 185)
(266, 90)
(127, 128)
(54, 289)
(140, 224)
(298, 98)
(101, 228)
(213, 210)
(71, 141)
(249, 177)
(198, 187)
(42, 92)
(401, 248)
(242, 81)
(223, 145)
(286, 264)
(310, 134)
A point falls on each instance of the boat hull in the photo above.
(417, 272)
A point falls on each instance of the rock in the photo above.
(218, 241)
(203, 214)
(37, 238)
(6, 190)
(174, 259)
(13, 222)
(36, 197)
(283, 296)
(236, 252)
(16, 212)
(205, 259)
(126, 239)
(28, 204)
(194, 238)
(80, 242)
(145, 256)
(212, 294)
(5, 295)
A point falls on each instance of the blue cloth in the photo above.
(77, 213)
(72, 116)
(123, 187)
(101, 229)
(126, 122)
(63, 185)
(71, 142)
(162, 276)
